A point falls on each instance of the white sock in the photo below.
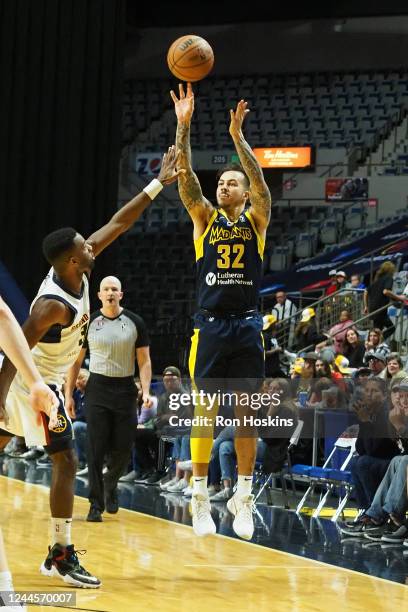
(200, 485)
(244, 485)
(61, 531)
(6, 581)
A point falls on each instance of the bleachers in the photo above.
(326, 109)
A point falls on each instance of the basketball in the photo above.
(190, 58)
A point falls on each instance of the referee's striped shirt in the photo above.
(112, 343)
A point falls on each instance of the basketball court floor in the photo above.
(149, 559)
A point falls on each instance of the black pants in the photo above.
(146, 448)
(110, 405)
(150, 450)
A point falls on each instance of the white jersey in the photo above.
(59, 348)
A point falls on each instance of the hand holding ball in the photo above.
(190, 58)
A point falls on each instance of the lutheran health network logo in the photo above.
(226, 278)
(210, 279)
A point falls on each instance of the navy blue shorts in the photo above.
(229, 350)
(22, 421)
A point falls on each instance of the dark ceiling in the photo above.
(195, 12)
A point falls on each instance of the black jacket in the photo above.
(376, 437)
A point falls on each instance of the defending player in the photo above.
(55, 331)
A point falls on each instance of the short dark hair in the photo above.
(233, 168)
(380, 382)
(57, 243)
(395, 357)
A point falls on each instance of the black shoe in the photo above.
(62, 561)
(44, 460)
(155, 477)
(359, 528)
(94, 515)
(32, 453)
(144, 476)
(376, 533)
(111, 501)
(395, 534)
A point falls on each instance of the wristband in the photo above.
(153, 188)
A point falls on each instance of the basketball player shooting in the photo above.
(229, 243)
(55, 331)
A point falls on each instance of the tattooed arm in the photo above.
(259, 193)
(197, 206)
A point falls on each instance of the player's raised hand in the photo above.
(169, 172)
(42, 399)
(237, 118)
(184, 104)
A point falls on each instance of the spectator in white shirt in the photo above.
(284, 309)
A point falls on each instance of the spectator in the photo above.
(393, 370)
(272, 348)
(354, 348)
(305, 373)
(323, 381)
(284, 311)
(275, 449)
(284, 307)
(181, 456)
(306, 334)
(375, 446)
(385, 518)
(147, 437)
(338, 282)
(362, 375)
(375, 343)
(79, 424)
(333, 372)
(316, 396)
(340, 370)
(377, 362)
(398, 298)
(356, 282)
(323, 369)
(332, 287)
(224, 460)
(146, 420)
(376, 297)
(337, 333)
(223, 454)
(341, 280)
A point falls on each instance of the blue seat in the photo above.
(320, 473)
(300, 469)
(331, 477)
(340, 475)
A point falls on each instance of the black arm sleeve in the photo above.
(95, 314)
(142, 333)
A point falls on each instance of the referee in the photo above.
(115, 336)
